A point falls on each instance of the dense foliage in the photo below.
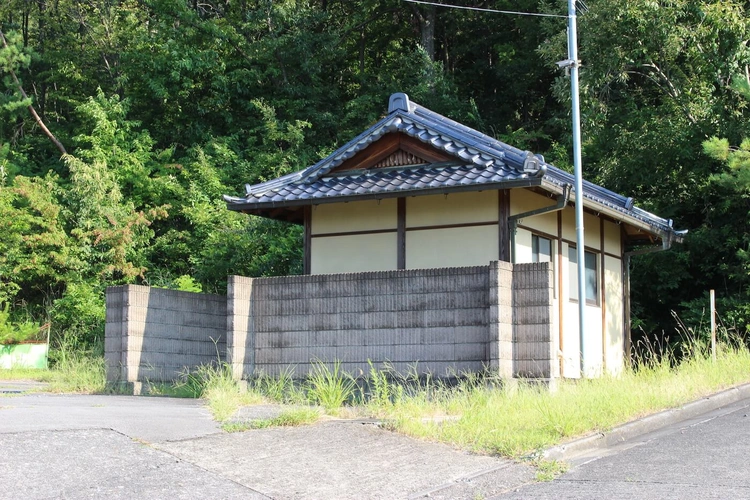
(155, 108)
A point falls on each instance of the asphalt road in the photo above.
(706, 457)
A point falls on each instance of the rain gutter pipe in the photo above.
(513, 220)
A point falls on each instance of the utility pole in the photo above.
(578, 171)
(571, 64)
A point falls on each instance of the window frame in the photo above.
(554, 249)
(573, 275)
(535, 249)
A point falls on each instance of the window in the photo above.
(541, 249)
(590, 276)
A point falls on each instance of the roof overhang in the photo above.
(264, 209)
(480, 163)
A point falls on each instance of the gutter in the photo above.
(626, 214)
(513, 220)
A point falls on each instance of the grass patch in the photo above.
(79, 373)
(289, 418)
(40, 374)
(215, 384)
(521, 421)
(547, 470)
(329, 387)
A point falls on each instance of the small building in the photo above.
(418, 190)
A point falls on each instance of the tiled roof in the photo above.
(384, 181)
(481, 162)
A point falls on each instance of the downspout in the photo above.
(666, 244)
(513, 220)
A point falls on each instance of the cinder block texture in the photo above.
(438, 321)
(434, 320)
(500, 293)
(153, 334)
(534, 344)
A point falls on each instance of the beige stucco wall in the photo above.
(612, 238)
(355, 253)
(523, 246)
(614, 314)
(478, 245)
(591, 228)
(460, 246)
(523, 200)
(592, 231)
(354, 216)
(457, 246)
(456, 208)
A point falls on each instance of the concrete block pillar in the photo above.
(127, 307)
(240, 326)
(115, 341)
(501, 318)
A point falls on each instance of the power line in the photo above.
(534, 14)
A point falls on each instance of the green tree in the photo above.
(656, 82)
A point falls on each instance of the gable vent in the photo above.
(399, 159)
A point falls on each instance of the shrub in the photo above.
(14, 332)
(80, 313)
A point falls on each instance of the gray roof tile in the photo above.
(481, 162)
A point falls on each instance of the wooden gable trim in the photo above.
(375, 155)
(419, 148)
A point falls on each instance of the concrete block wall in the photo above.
(441, 321)
(152, 334)
(534, 343)
(433, 319)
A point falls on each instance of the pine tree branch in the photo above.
(33, 112)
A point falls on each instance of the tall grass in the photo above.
(329, 387)
(521, 420)
(223, 394)
(78, 371)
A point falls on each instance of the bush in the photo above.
(80, 313)
(14, 332)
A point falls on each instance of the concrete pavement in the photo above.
(122, 447)
(703, 458)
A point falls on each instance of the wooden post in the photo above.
(401, 233)
(712, 298)
(307, 245)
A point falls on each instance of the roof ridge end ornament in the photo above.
(534, 165)
(399, 102)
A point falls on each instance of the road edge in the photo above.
(650, 423)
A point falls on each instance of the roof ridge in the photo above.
(487, 161)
